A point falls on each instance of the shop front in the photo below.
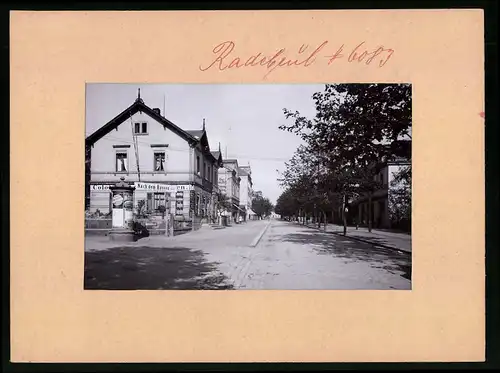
(149, 198)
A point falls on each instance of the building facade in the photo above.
(246, 190)
(380, 212)
(229, 185)
(167, 165)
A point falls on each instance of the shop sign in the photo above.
(145, 187)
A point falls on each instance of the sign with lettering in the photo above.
(179, 202)
(100, 187)
(192, 205)
(153, 187)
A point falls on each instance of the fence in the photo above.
(155, 224)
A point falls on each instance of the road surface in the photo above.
(264, 255)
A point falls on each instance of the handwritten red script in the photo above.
(225, 58)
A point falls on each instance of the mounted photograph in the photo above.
(248, 186)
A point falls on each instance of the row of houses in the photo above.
(381, 212)
(172, 169)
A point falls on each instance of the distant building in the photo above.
(258, 194)
(246, 190)
(229, 185)
(168, 166)
(380, 211)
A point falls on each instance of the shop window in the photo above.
(159, 159)
(159, 200)
(121, 162)
(198, 164)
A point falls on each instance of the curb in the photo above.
(363, 240)
(257, 239)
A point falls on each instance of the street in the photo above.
(265, 255)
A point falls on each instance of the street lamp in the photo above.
(316, 194)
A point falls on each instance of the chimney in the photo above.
(157, 111)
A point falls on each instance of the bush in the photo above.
(161, 209)
(140, 230)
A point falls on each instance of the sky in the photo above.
(244, 118)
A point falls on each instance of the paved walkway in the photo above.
(393, 240)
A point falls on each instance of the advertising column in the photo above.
(122, 214)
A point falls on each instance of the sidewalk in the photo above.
(204, 236)
(391, 240)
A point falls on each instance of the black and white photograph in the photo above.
(248, 186)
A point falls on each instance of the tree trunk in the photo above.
(333, 215)
(324, 222)
(344, 218)
(369, 211)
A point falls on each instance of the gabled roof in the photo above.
(138, 106)
(243, 172)
(196, 133)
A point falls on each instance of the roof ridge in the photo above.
(137, 106)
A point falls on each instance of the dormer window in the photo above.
(140, 128)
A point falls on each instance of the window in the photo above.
(159, 161)
(121, 162)
(197, 164)
(209, 174)
(159, 200)
(149, 202)
(140, 128)
(204, 170)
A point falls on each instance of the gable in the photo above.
(138, 106)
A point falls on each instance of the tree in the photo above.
(223, 203)
(286, 205)
(141, 208)
(400, 199)
(356, 127)
(262, 206)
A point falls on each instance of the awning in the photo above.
(238, 207)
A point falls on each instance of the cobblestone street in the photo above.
(255, 255)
